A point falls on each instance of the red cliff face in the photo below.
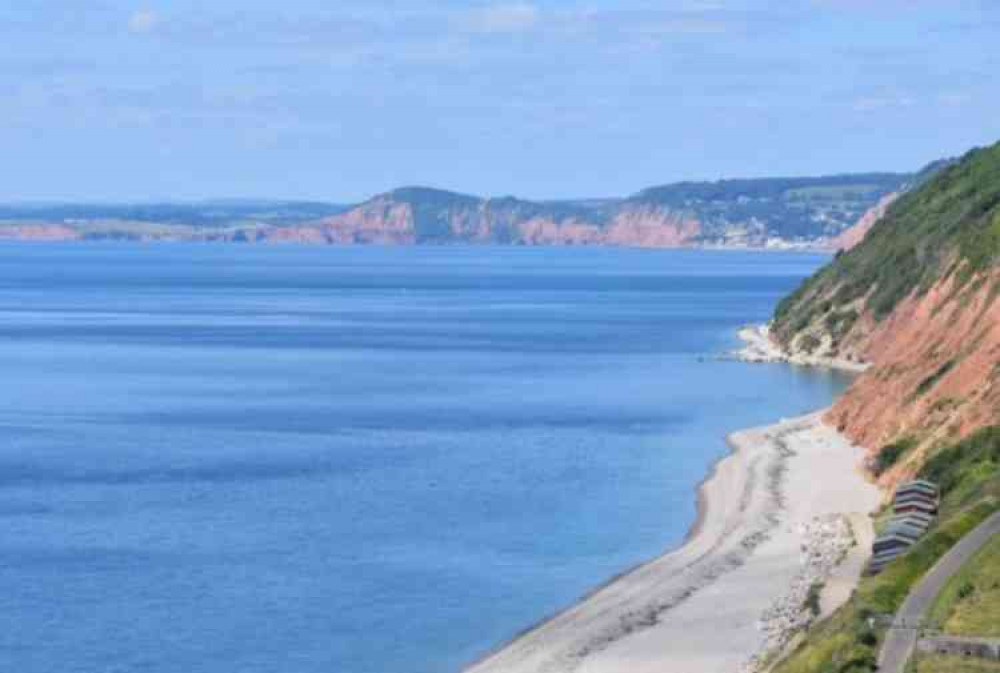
(381, 220)
(935, 369)
(652, 227)
(855, 234)
(935, 363)
(917, 298)
(384, 220)
(545, 231)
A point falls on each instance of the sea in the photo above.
(240, 459)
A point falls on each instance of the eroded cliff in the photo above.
(917, 298)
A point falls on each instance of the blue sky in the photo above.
(339, 99)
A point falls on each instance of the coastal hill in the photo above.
(754, 213)
(917, 299)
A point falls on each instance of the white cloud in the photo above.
(143, 21)
(506, 18)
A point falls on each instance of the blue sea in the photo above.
(237, 459)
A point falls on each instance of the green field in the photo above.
(970, 603)
(942, 664)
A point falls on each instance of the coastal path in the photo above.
(901, 639)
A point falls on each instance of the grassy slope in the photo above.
(970, 603)
(846, 643)
(949, 225)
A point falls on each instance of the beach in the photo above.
(785, 511)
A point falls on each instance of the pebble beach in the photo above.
(785, 512)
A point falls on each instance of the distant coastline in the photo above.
(313, 235)
(803, 213)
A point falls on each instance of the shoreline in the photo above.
(760, 347)
(748, 547)
(701, 512)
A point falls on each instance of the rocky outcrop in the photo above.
(653, 227)
(760, 346)
(826, 540)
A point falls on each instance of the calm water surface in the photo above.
(227, 459)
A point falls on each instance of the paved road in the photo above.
(902, 638)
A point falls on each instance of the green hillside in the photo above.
(790, 208)
(949, 225)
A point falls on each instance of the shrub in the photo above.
(891, 453)
(812, 599)
(953, 465)
(966, 590)
(809, 343)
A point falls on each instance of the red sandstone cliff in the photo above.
(917, 298)
(397, 220)
(935, 369)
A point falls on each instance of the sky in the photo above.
(335, 100)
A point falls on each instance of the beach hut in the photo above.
(918, 486)
(915, 502)
(899, 538)
(914, 506)
(880, 561)
(901, 534)
(916, 496)
(919, 520)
